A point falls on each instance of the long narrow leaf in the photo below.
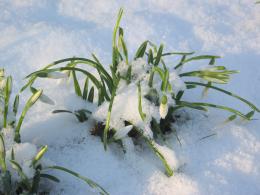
(109, 114)
(2, 154)
(76, 84)
(219, 107)
(91, 95)
(8, 89)
(158, 55)
(141, 50)
(142, 115)
(85, 90)
(226, 92)
(50, 177)
(16, 104)
(152, 145)
(39, 155)
(28, 105)
(91, 183)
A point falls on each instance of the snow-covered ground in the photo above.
(35, 33)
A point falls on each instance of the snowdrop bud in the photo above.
(57, 75)
(163, 107)
(43, 98)
(121, 133)
(46, 99)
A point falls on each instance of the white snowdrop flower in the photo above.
(164, 107)
(46, 99)
(57, 75)
(121, 133)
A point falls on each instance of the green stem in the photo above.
(143, 115)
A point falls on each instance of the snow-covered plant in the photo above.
(22, 170)
(138, 98)
(8, 114)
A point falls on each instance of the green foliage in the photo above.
(106, 85)
(28, 185)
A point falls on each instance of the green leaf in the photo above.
(201, 57)
(16, 104)
(142, 114)
(94, 80)
(91, 183)
(35, 182)
(122, 43)
(8, 90)
(61, 111)
(50, 177)
(2, 154)
(76, 84)
(150, 56)
(158, 55)
(39, 155)
(190, 105)
(250, 114)
(231, 118)
(109, 113)
(12, 154)
(179, 95)
(141, 50)
(91, 95)
(152, 145)
(115, 54)
(180, 64)
(226, 92)
(165, 81)
(85, 90)
(177, 53)
(218, 107)
(28, 105)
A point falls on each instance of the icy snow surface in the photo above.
(35, 33)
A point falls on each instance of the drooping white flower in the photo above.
(121, 133)
(46, 99)
(43, 98)
(57, 75)
(164, 107)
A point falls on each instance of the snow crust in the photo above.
(225, 163)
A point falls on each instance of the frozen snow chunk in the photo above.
(23, 152)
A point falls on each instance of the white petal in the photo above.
(121, 133)
(163, 110)
(46, 99)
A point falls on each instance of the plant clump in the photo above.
(23, 170)
(139, 98)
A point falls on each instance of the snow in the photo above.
(34, 34)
